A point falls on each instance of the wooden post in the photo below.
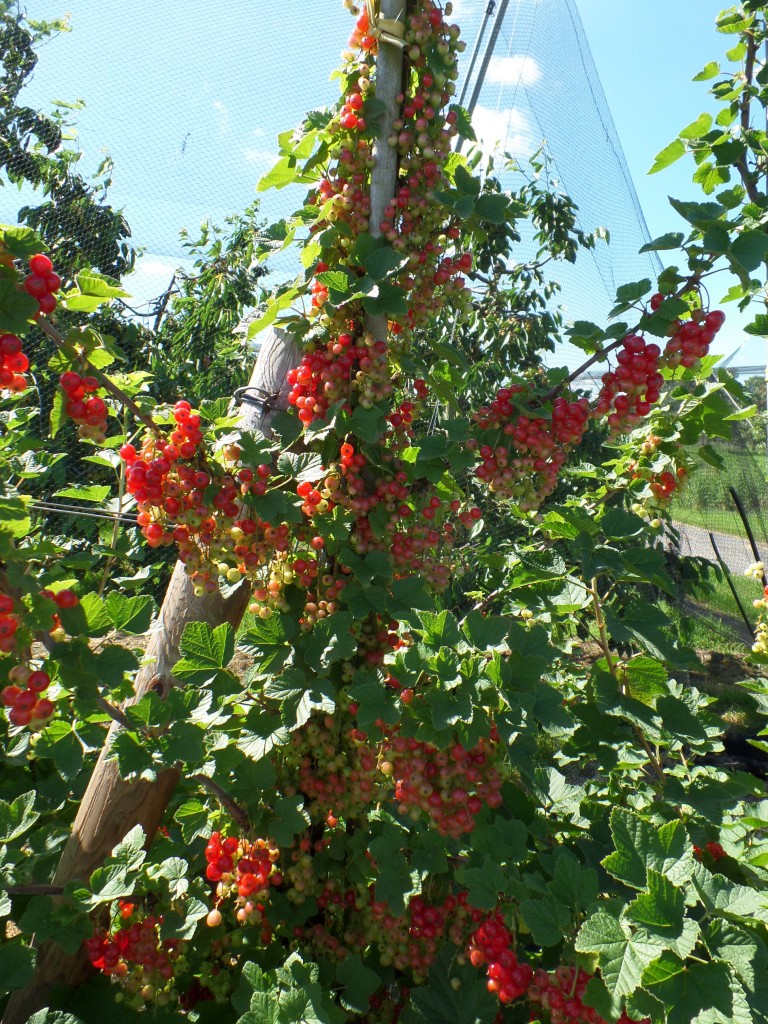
(111, 806)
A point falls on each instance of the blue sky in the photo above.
(188, 104)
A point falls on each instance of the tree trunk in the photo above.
(112, 806)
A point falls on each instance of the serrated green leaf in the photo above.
(95, 493)
(623, 958)
(17, 817)
(710, 70)
(130, 614)
(204, 649)
(17, 964)
(640, 847)
(359, 982)
(668, 156)
(697, 128)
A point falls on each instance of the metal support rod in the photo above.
(487, 56)
(468, 77)
(750, 535)
(729, 581)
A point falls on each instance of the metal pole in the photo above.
(487, 57)
(468, 77)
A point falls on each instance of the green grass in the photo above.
(706, 502)
(705, 633)
(715, 520)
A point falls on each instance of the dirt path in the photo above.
(734, 551)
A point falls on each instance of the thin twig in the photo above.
(109, 385)
(114, 713)
(231, 806)
(34, 889)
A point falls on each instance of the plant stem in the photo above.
(109, 385)
(226, 801)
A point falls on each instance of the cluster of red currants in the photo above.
(133, 953)
(345, 370)
(450, 786)
(491, 946)
(629, 391)
(361, 38)
(42, 283)
(561, 992)
(411, 941)
(13, 364)
(351, 118)
(523, 454)
(713, 850)
(691, 340)
(242, 871)
(23, 695)
(335, 768)
(85, 405)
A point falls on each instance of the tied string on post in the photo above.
(386, 30)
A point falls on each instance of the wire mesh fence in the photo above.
(183, 117)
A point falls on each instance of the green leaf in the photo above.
(700, 215)
(486, 631)
(59, 742)
(14, 520)
(130, 614)
(130, 852)
(698, 992)
(359, 982)
(17, 964)
(21, 242)
(268, 640)
(671, 240)
(283, 173)
(205, 650)
(662, 906)
(330, 640)
(737, 946)
(709, 70)
(64, 921)
(289, 818)
(484, 884)
(109, 883)
(623, 958)
(697, 128)
(382, 261)
(668, 156)
(17, 817)
(465, 181)
(750, 249)
(192, 818)
(96, 493)
(493, 207)
(640, 846)
(439, 629)
(547, 919)
(389, 300)
(16, 308)
(445, 1001)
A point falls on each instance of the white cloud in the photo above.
(151, 277)
(223, 120)
(260, 157)
(259, 154)
(517, 70)
(503, 131)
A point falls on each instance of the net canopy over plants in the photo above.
(411, 737)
